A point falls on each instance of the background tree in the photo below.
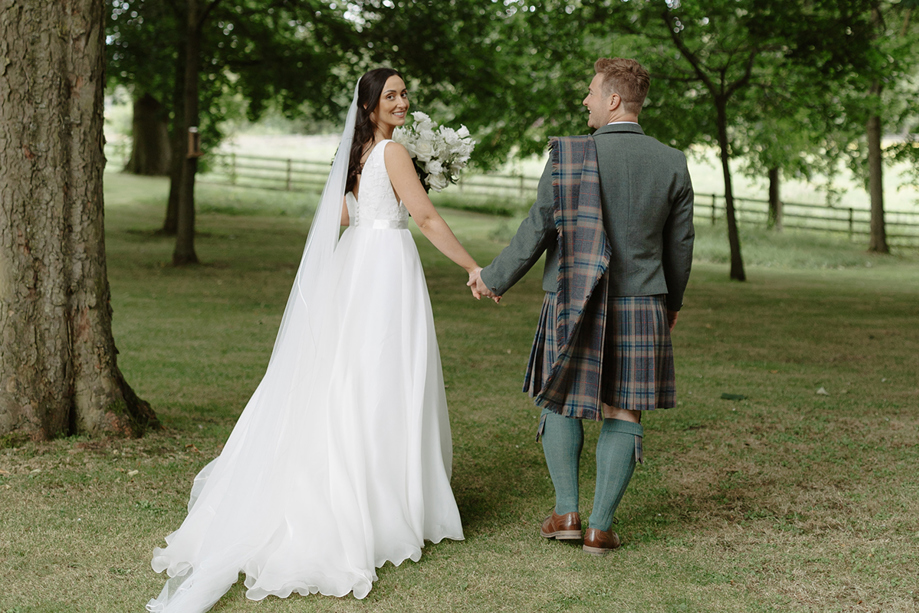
(287, 52)
(141, 48)
(884, 101)
(790, 129)
(735, 56)
(57, 354)
(150, 148)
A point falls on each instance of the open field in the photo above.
(802, 496)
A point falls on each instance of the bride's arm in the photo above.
(408, 189)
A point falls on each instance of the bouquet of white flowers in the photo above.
(439, 153)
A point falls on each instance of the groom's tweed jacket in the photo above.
(647, 200)
(573, 385)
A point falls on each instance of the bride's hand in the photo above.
(472, 284)
(478, 286)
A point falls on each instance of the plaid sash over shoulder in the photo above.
(573, 385)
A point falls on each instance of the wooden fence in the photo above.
(287, 174)
(902, 227)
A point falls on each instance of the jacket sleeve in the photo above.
(533, 236)
(678, 240)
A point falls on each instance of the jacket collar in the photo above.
(632, 128)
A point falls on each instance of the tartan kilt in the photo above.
(637, 360)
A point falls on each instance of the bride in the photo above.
(341, 460)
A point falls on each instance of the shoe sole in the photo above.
(562, 535)
(596, 551)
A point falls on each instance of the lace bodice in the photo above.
(377, 207)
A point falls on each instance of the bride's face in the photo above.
(393, 104)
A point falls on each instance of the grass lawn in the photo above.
(802, 496)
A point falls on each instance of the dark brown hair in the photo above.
(368, 96)
(625, 77)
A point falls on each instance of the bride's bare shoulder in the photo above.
(394, 149)
(397, 158)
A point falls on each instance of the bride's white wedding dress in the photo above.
(341, 460)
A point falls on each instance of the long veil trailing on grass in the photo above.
(203, 557)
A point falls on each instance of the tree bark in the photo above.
(179, 145)
(737, 268)
(185, 236)
(150, 151)
(877, 241)
(58, 373)
(775, 201)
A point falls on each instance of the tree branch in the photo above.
(686, 52)
(207, 11)
(748, 73)
(664, 77)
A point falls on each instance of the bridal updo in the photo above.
(369, 90)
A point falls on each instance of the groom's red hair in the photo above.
(625, 77)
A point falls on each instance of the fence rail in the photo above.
(288, 174)
(902, 227)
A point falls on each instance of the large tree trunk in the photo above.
(179, 145)
(878, 239)
(737, 269)
(150, 152)
(185, 237)
(775, 200)
(58, 373)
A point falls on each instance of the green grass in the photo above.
(786, 500)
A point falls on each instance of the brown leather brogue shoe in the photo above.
(600, 543)
(565, 527)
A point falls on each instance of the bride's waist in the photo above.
(382, 224)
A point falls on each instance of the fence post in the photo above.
(713, 209)
(233, 168)
(851, 224)
(289, 162)
(522, 194)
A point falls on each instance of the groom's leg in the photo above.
(617, 451)
(562, 440)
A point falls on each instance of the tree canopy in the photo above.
(784, 86)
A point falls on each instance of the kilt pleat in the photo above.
(637, 370)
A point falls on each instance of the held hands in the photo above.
(478, 287)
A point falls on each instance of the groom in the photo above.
(613, 213)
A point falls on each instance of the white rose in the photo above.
(423, 151)
(437, 182)
(423, 123)
(426, 135)
(434, 167)
(450, 136)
